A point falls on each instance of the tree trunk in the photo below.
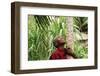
(70, 37)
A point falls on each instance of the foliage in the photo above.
(80, 26)
(80, 51)
(82, 23)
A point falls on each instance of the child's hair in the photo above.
(58, 41)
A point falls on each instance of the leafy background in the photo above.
(43, 29)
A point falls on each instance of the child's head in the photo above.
(59, 42)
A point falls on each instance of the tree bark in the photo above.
(70, 37)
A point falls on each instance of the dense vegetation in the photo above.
(43, 29)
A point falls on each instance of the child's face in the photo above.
(61, 40)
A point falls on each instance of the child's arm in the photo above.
(68, 51)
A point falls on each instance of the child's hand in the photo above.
(69, 57)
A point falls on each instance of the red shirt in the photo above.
(58, 54)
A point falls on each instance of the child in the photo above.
(61, 52)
